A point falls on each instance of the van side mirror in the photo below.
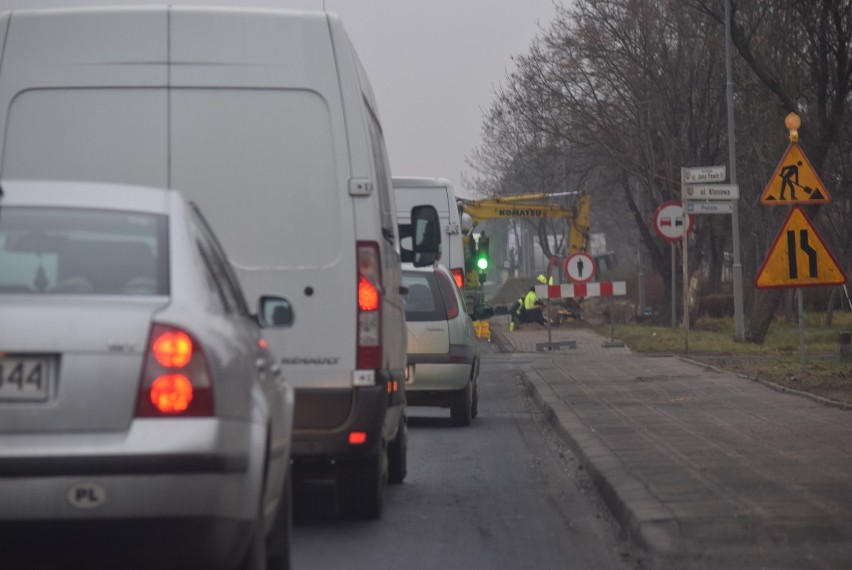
(274, 312)
(425, 233)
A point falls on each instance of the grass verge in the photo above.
(776, 360)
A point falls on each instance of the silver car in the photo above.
(143, 422)
(442, 344)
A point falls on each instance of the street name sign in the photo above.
(710, 207)
(580, 267)
(794, 181)
(670, 223)
(698, 174)
(799, 257)
(711, 192)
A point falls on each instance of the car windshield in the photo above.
(75, 251)
(423, 302)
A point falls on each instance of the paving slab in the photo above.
(704, 469)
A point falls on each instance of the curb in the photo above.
(499, 341)
(646, 520)
(769, 384)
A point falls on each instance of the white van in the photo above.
(267, 120)
(438, 192)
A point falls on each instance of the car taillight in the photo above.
(175, 376)
(369, 356)
(172, 349)
(448, 292)
(458, 275)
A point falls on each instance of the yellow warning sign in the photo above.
(794, 182)
(799, 257)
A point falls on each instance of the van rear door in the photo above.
(255, 117)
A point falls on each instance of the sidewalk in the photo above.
(703, 469)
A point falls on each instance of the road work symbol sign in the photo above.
(794, 182)
(799, 257)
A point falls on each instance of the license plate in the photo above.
(25, 378)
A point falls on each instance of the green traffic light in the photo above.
(482, 253)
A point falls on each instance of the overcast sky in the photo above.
(433, 65)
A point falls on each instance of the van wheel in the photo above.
(398, 454)
(278, 545)
(462, 407)
(362, 487)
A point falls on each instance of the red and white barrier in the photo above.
(613, 289)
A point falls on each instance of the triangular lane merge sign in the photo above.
(794, 181)
(799, 257)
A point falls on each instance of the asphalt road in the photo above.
(501, 494)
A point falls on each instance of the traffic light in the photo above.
(482, 253)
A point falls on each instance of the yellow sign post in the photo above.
(799, 257)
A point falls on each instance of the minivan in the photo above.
(267, 120)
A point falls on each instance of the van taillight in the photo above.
(458, 276)
(175, 376)
(369, 354)
(368, 295)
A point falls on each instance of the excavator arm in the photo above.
(523, 206)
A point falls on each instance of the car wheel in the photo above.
(398, 454)
(461, 408)
(278, 545)
(363, 487)
(474, 407)
(255, 556)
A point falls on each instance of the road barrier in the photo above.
(613, 289)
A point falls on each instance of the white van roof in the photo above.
(420, 182)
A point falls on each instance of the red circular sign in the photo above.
(669, 221)
(580, 267)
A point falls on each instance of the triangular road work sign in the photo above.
(799, 257)
(794, 182)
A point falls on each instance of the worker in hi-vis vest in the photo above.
(532, 305)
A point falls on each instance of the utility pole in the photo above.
(739, 318)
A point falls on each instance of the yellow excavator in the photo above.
(530, 207)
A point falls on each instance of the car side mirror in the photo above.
(425, 233)
(274, 312)
(482, 312)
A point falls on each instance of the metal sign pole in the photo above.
(549, 320)
(685, 244)
(611, 320)
(801, 301)
(674, 287)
